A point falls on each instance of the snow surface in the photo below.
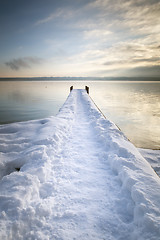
(75, 176)
(153, 157)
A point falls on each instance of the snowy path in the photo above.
(79, 178)
(88, 189)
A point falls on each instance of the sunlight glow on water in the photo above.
(133, 106)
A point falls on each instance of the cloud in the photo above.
(148, 71)
(96, 33)
(132, 52)
(61, 13)
(134, 16)
(26, 62)
(144, 61)
(51, 17)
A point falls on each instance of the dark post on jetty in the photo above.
(86, 88)
(71, 88)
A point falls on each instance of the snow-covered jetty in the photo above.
(75, 176)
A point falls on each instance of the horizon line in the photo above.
(80, 77)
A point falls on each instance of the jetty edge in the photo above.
(134, 172)
(79, 177)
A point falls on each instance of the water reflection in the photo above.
(134, 107)
(18, 97)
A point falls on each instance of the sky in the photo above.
(101, 38)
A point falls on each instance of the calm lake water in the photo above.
(133, 106)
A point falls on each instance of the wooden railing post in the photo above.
(87, 89)
(71, 88)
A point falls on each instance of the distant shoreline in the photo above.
(81, 79)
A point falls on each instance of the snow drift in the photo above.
(75, 176)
